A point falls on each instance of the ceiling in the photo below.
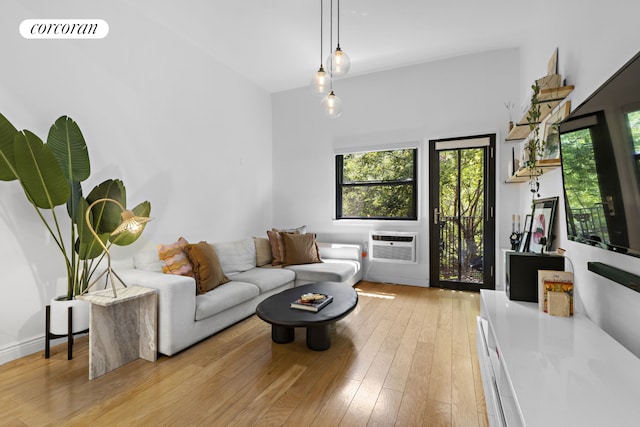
(276, 43)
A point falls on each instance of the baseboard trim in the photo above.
(381, 278)
(25, 348)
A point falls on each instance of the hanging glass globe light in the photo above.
(321, 82)
(331, 105)
(338, 63)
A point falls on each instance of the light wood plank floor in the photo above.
(406, 356)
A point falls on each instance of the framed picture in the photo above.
(526, 233)
(552, 64)
(550, 133)
(543, 215)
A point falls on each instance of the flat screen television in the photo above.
(600, 151)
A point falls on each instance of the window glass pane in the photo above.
(582, 189)
(382, 201)
(377, 166)
(633, 120)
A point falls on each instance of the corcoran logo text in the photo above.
(64, 29)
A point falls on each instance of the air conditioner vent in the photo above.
(391, 246)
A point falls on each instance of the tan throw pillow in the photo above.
(276, 244)
(299, 249)
(206, 267)
(263, 251)
(174, 259)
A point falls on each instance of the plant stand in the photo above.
(48, 336)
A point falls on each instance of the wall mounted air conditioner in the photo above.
(393, 246)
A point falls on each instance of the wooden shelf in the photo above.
(549, 99)
(524, 174)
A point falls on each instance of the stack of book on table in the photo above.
(312, 302)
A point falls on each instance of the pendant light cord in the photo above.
(338, 20)
(321, 25)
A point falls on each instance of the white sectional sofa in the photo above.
(186, 318)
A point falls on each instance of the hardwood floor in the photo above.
(405, 356)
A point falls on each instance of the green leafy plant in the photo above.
(51, 174)
(534, 145)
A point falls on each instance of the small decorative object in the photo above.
(555, 292)
(509, 106)
(515, 235)
(526, 233)
(543, 216)
(312, 302)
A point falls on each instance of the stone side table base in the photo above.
(121, 329)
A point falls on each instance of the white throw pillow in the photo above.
(147, 259)
(236, 256)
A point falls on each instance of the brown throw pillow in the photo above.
(263, 251)
(299, 249)
(206, 267)
(276, 244)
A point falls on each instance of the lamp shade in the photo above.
(332, 105)
(321, 82)
(338, 63)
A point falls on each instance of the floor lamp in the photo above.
(130, 222)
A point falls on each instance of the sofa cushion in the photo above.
(206, 267)
(236, 256)
(224, 297)
(299, 249)
(263, 251)
(266, 278)
(147, 259)
(330, 271)
(174, 259)
(275, 240)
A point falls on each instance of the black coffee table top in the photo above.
(277, 310)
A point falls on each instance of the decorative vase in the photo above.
(59, 310)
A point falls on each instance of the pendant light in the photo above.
(320, 82)
(338, 62)
(332, 105)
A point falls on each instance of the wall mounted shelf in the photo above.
(549, 99)
(523, 175)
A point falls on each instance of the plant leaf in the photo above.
(126, 238)
(41, 176)
(7, 158)
(75, 190)
(69, 148)
(106, 216)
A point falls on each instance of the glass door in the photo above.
(462, 225)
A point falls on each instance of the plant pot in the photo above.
(59, 310)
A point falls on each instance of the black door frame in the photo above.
(489, 215)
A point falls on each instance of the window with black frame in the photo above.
(377, 185)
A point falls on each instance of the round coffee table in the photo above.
(277, 311)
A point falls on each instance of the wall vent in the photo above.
(393, 246)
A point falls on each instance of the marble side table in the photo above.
(121, 329)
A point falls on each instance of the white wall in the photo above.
(593, 45)
(180, 129)
(450, 98)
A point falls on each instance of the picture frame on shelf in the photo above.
(526, 234)
(551, 134)
(552, 64)
(543, 217)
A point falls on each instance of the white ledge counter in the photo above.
(540, 370)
